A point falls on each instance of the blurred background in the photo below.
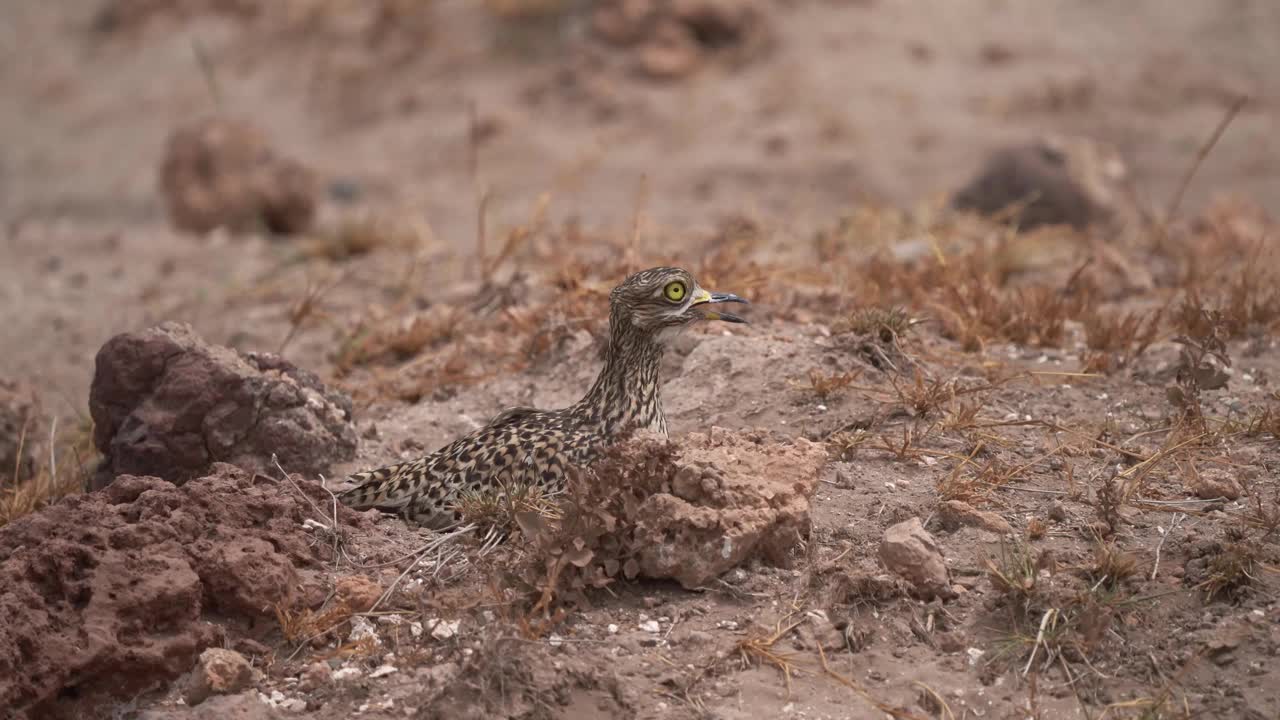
(157, 152)
(794, 108)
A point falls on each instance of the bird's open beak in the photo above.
(704, 297)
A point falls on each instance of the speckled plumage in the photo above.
(529, 446)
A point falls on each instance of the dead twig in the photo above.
(1164, 535)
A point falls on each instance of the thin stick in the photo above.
(206, 70)
(946, 708)
(1155, 568)
(482, 209)
(1205, 149)
(22, 444)
(1044, 621)
(53, 457)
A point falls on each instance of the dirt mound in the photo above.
(109, 593)
(166, 403)
(222, 172)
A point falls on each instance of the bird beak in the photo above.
(704, 297)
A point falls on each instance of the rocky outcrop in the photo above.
(166, 403)
(109, 593)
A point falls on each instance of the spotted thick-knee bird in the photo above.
(526, 446)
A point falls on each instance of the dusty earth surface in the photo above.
(1084, 424)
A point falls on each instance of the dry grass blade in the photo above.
(760, 649)
(25, 495)
(894, 712)
(1176, 201)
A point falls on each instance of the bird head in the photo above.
(663, 299)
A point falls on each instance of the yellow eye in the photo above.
(674, 291)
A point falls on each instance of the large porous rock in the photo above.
(1051, 181)
(166, 403)
(691, 509)
(21, 430)
(910, 551)
(105, 594)
(954, 514)
(733, 496)
(222, 172)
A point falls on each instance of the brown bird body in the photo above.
(526, 446)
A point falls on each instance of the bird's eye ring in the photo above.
(674, 291)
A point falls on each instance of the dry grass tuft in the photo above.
(502, 509)
(1111, 565)
(758, 648)
(1232, 569)
(1014, 575)
(1115, 341)
(399, 339)
(886, 324)
(592, 542)
(303, 626)
(66, 471)
(823, 385)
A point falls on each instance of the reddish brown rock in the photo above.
(1052, 181)
(107, 593)
(218, 672)
(223, 173)
(956, 513)
(358, 592)
(911, 552)
(732, 497)
(1213, 483)
(166, 403)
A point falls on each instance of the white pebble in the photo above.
(444, 629)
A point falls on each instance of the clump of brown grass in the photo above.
(1111, 565)
(758, 648)
(1115, 341)
(974, 310)
(1203, 361)
(593, 542)
(503, 507)
(1264, 422)
(1015, 576)
(66, 471)
(399, 339)
(304, 625)
(824, 385)
(843, 443)
(1233, 568)
(886, 324)
(924, 398)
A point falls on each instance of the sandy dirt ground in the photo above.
(1109, 513)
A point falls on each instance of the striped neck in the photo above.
(625, 395)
